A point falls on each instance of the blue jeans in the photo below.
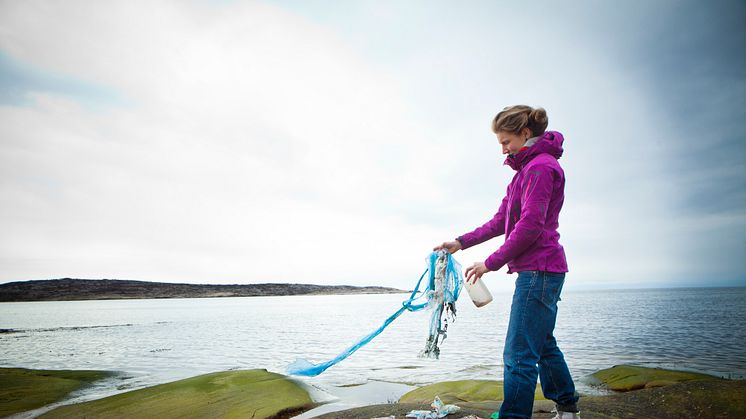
(530, 341)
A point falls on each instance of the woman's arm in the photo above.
(537, 190)
(491, 229)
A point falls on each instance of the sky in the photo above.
(337, 142)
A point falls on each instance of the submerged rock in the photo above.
(246, 394)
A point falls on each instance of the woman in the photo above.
(528, 216)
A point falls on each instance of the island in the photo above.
(69, 289)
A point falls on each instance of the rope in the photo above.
(444, 286)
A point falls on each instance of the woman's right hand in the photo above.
(451, 247)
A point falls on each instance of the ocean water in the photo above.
(155, 341)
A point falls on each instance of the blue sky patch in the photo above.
(17, 79)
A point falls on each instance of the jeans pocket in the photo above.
(526, 279)
(552, 287)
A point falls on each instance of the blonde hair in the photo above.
(514, 119)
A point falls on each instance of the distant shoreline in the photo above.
(72, 289)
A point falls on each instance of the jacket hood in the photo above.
(550, 143)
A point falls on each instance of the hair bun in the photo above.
(538, 120)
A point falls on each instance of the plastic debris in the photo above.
(422, 414)
(443, 288)
(439, 410)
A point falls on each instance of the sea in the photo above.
(153, 341)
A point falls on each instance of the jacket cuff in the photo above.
(465, 243)
(493, 262)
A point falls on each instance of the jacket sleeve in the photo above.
(537, 187)
(491, 229)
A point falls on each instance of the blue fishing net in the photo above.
(444, 283)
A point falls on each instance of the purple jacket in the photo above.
(529, 213)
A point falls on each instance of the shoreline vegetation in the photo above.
(71, 289)
(639, 392)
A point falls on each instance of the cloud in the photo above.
(256, 147)
(688, 59)
(291, 142)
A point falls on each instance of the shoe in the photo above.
(565, 415)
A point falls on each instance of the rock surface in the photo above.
(630, 377)
(451, 392)
(22, 389)
(230, 394)
(693, 399)
(262, 394)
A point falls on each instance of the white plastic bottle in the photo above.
(478, 292)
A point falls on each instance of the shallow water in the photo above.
(155, 341)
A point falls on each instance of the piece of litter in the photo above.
(422, 414)
(444, 283)
(443, 409)
(443, 291)
(439, 410)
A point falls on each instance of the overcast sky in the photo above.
(336, 142)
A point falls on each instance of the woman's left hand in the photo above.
(475, 271)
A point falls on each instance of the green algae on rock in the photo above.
(460, 391)
(630, 377)
(246, 394)
(690, 399)
(23, 389)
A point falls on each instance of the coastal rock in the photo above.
(23, 389)
(690, 399)
(630, 377)
(246, 394)
(695, 399)
(659, 383)
(451, 392)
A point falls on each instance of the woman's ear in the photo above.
(526, 133)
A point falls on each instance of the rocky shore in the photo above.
(637, 392)
(67, 289)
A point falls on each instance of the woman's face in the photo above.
(512, 143)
